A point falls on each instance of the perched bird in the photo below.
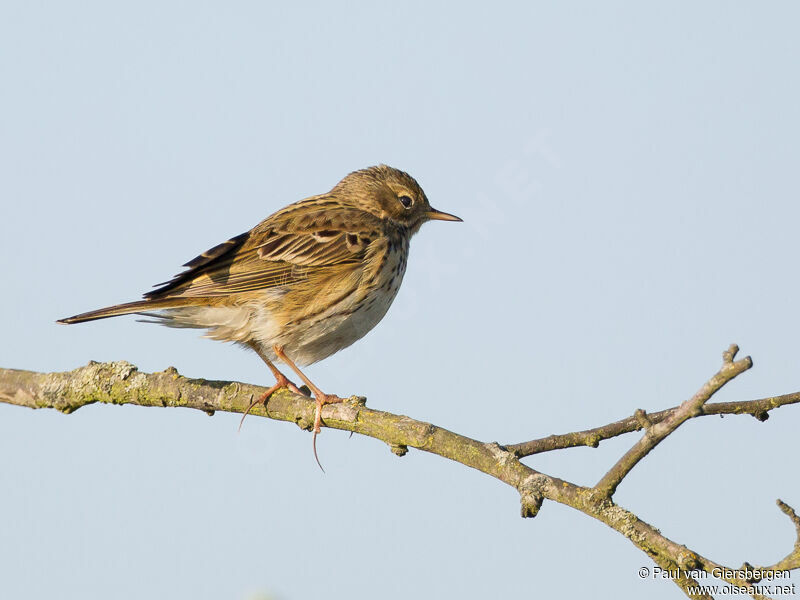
(305, 282)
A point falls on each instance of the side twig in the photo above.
(655, 434)
(759, 409)
(792, 560)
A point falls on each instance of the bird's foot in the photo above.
(321, 398)
(282, 382)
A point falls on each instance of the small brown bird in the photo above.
(305, 282)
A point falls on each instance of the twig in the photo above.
(691, 408)
(792, 560)
(592, 437)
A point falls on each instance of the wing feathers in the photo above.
(289, 246)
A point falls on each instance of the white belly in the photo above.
(347, 321)
(306, 341)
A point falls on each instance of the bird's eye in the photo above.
(406, 201)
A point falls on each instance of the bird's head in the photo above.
(390, 194)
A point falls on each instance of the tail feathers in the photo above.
(126, 309)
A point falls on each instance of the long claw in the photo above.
(322, 400)
(314, 446)
(317, 429)
(261, 398)
(321, 397)
(282, 382)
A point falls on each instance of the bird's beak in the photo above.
(437, 215)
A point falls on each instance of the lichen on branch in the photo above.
(122, 383)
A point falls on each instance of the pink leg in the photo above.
(281, 381)
(321, 397)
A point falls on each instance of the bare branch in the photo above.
(792, 560)
(592, 437)
(122, 383)
(691, 408)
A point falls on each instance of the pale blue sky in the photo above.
(627, 176)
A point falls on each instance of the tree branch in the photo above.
(592, 437)
(792, 560)
(122, 383)
(656, 433)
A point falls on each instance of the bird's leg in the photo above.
(321, 397)
(280, 379)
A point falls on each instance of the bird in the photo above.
(306, 282)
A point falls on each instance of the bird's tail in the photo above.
(127, 309)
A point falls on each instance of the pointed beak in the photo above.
(437, 215)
